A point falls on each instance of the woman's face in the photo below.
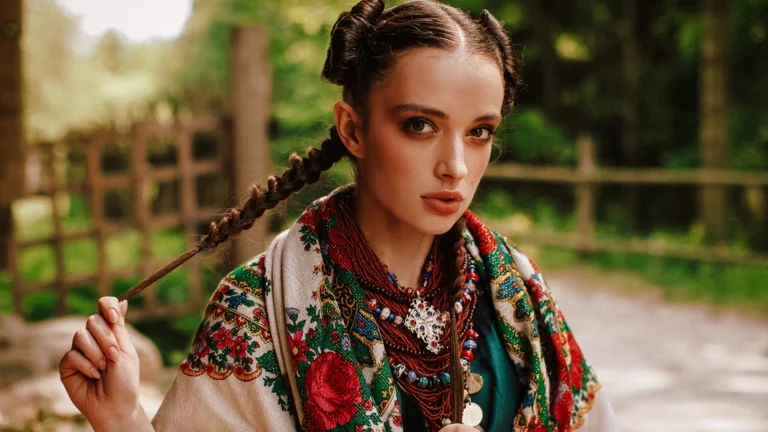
(429, 136)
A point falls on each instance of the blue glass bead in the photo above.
(423, 382)
(377, 311)
(470, 344)
(392, 277)
(391, 317)
(411, 377)
(445, 378)
(426, 275)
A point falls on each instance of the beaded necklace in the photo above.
(419, 357)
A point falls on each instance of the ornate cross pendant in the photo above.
(426, 322)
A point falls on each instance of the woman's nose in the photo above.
(451, 165)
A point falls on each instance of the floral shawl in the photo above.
(287, 343)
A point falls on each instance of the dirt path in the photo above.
(667, 368)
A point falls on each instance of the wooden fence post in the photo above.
(11, 121)
(251, 83)
(713, 145)
(586, 193)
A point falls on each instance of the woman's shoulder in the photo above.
(243, 288)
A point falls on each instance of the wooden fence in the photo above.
(587, 178)
(138, 181)
(242, 157)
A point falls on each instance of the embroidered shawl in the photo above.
(287, 343)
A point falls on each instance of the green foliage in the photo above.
(532, 137)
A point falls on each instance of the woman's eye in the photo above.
(418, 126)
(484, 133)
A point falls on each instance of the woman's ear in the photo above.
(349, 127)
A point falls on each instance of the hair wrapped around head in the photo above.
(509, 63)
(349, 37)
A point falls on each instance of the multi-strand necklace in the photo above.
(413, 325)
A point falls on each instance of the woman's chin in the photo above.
(437, 225)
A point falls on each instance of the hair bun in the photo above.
(508, 61)
(348, 37)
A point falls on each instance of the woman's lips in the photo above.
(443, 203)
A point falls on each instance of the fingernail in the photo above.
(113, 354)
(103, 364)
(95, 373)
(112, 315)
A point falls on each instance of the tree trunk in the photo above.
(713, 128)
(542, 33)
(251, 81)
(11, 120)
(630, 109)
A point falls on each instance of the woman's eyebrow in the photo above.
(489, 117)
(437, 113)
(420, 108)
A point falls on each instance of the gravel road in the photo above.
(667, 367)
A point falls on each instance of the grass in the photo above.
(724, 287)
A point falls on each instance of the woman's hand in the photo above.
(101, 371)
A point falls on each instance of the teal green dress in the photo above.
(501, 394)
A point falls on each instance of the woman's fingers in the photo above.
(115, 311)
(105, 338)
(86, 344)
(109, 309)
(75, 362)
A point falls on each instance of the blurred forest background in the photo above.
(627, 73)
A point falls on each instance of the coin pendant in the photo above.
(473, 415)
(474, 383)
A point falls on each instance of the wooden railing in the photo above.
(139, 179)
(588, 177)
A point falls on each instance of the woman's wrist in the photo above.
(136, 420)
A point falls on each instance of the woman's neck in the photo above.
(397, 244)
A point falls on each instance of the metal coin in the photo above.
(473, 415)
(474, 383)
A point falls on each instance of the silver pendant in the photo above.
(472, 415)
(426, 322)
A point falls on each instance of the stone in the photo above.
(28, 350)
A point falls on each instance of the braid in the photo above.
(509, 63)
(303, 170)
(452, 243)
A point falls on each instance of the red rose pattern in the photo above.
(333, 392)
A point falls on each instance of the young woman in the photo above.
(388, 305)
